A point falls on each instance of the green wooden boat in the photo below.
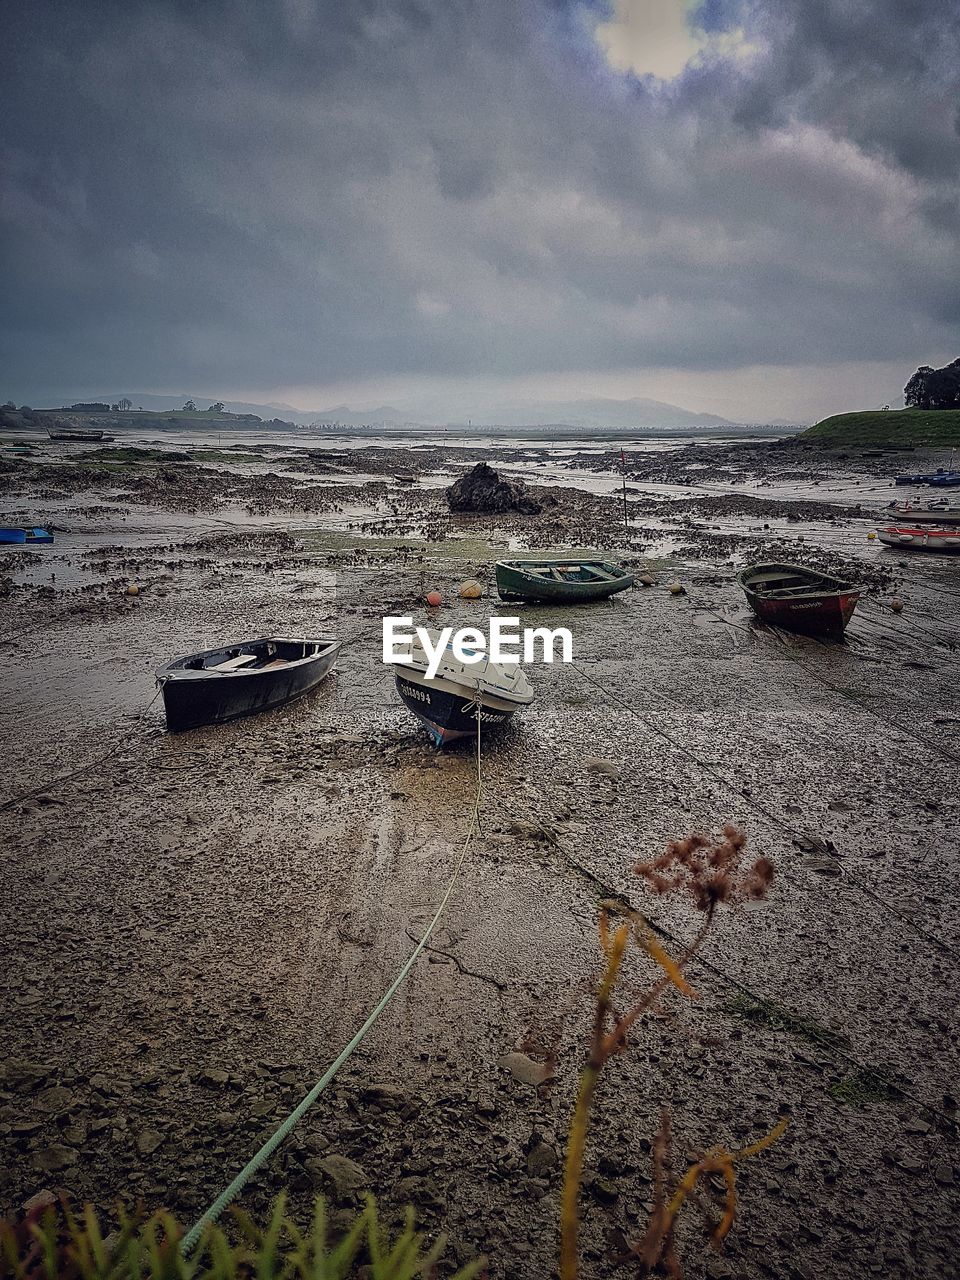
(560, 581)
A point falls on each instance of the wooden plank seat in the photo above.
(234, 664)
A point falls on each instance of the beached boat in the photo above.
(921, 539)
(236, 680)
(450, 702)
(560, 581)
(63, 434)
(941, 478)
(31, 536)
(924, 511)
(796, 598)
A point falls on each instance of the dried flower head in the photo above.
(710, 869)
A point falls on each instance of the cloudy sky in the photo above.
(747, 206)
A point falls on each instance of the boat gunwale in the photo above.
(173, 671)
(843, 587)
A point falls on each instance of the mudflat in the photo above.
(192, 926)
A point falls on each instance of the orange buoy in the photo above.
(433, 598)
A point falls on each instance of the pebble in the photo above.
(525, 1070)
(56, 1157)
(605, 767)
(346, 1175)
(148, 1141)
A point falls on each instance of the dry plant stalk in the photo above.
(711, 872)
(658, 1246)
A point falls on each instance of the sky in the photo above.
(750, 207)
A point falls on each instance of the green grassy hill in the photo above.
(888, 426)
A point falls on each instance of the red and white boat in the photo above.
(800, 599)
(918, 539)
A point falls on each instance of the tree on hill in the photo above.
(216, 408)
(189, 407)
(931, 388)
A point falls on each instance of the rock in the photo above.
(896, 604)
(148, 1141)
(50, 1159)
(601, 1190)
(213, 1076)
(605, 767)
(677, 589)
(482, 490)
(55, 1100)
(524, 1070)
(39, 1201)
(541, 1159)
(385, 1096)
(18, 1073)
(346, 1175)
(942, 1172)
(132, 590)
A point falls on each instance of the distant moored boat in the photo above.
(924, 511)
(913, 539)
(64, 434)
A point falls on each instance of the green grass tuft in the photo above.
(770, 1014)
(55, 1243)
(866, 1085)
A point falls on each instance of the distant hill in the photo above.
(888, 426)
(589, 414)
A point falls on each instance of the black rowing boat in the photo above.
(242, 679)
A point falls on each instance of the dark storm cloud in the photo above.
(260, 194)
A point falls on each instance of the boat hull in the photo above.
(944, 541)
(450, 714)
(909, 514)
(13, 535)
(795, 598)
(824, 618)
(516, 584)
(194, 699)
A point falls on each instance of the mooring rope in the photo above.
(84, 768)
(191, 1239)
(935, 939)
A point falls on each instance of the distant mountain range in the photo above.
(589, 414)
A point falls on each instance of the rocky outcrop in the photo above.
(482, 490)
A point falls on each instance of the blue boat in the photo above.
(941, 478)
(31, 536)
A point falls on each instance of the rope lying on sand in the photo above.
(84, 768)
(785, 826)
(192, 1237)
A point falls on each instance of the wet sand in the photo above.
(194, 927)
